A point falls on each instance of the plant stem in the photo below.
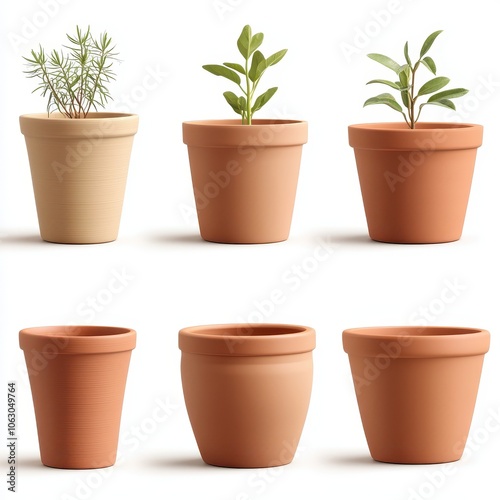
(249, 96)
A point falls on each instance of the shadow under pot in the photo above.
(77, 376)
(416, 389)
(247, 390)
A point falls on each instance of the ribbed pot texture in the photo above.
(247, 391)
(415, 183)
(416, 389)
(79, 171)
(77, 376)
(245, 177)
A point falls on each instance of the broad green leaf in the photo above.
(404, 76)
(407, 56)
(429, 63)
(255, 43)
(448, 94)
(218, 70)
(237, 67)
(263, 99)
(428, 43)
(445, 103)
(242, 103)
(405, 97)
(233, 101)
(433, 85)
(387, 99)
(276, 57)
(386, 61)
(255, 68)
(394, 85)
(244, 41)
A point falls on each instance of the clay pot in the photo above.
(247, 390)
(415, 183)
(79, 170)
(245, 177)
(77, 376)
(416, 389)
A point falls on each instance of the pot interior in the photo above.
(412, 331)
(76, 331)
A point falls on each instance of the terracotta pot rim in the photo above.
(415, 341)
(288, 339)
(257, 122)
(263, 133)
(77, 339)
(429, 136)
(421, 126)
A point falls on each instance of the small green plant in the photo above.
(406, 84)
(75, 82)
(252, 72)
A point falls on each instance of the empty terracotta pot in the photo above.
(245, 177)
(416, 389)
(247, 391)
(415, 183)
(79, 171)
(77, 376)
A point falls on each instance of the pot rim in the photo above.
(287, 339)
(263, 133)
(77, 339)
(428, 136)
(415, 341)
(91, 117)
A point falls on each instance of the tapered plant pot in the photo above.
(245, 177)
(415, 183)
(416, 389)
(79, 171)
(247, 391)
(77, 376)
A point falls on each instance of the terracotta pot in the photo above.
(79, 171)
(245, 177)
(416, 389)
(415, 183)
(247, 390)
(77, 376)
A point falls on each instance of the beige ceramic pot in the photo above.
(79, 171)
(415, 183)
(416, 389)
(77, 376)
(247, 391)
(245, 177)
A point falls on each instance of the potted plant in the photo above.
(247, 390)
(416, 389)
(78, 157)
(415, 177)
(245, 171)
(77, 376)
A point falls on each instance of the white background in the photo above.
(174, 279)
